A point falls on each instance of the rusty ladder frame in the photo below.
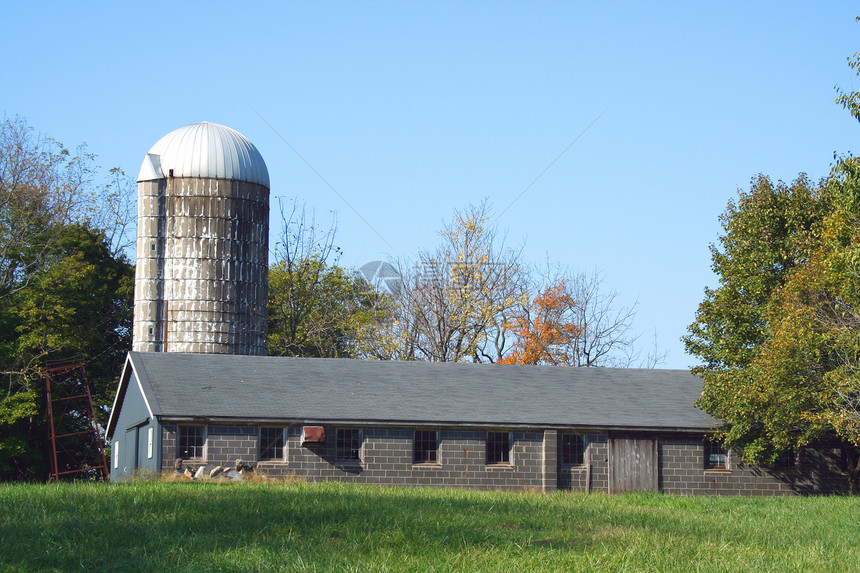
(72, 372)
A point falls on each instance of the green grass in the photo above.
(175, 527)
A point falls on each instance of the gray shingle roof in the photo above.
(416, 393)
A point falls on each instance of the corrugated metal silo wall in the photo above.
(202, 267)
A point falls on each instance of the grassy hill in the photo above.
(176, 527)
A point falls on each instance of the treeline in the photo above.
(65, 286)
(471, 298)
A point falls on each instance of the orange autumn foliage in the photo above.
(544, 330)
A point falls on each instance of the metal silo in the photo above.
(201, 281)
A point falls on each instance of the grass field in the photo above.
(176, 527)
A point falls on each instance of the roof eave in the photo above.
(294, 421)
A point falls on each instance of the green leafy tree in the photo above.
(802, 385)
(78, 303)
(768, 232)
(65, 287)
(322, 310)
(317, 308)
(779, 338)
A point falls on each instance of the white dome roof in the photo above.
(205, 150)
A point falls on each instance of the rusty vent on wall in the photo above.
(313, 435)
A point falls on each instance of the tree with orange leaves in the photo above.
(545, 330)
(574, 322)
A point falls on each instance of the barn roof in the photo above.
(220, 387)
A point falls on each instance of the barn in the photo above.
(460, 425)
(198, 388)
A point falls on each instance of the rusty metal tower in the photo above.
(76, 441)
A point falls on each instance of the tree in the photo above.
(65, 287)
(79, 302)
(545, 332)
(769, 231)
(780, 336)
(456, 303)
(44, 186)
(473, 299)
(317, 308)
(767, 234)
(574, 321)
(801, 385)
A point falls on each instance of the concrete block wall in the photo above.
(168, 446)
(226, 444)
(593, 474)
(386, 458)
(683, 472)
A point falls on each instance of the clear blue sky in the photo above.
(412, 109)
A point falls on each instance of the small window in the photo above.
(425, 447)
(115, 455)
(271, 443)
(716, 455)
(498, 448)
(191, 440)
(150, 435)
(348, 444)
(572, 449)
(786, 461)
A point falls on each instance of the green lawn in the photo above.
(174, 527)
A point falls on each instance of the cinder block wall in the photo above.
(593, 474)
(168, 446)
(682, 462)
(386, 458)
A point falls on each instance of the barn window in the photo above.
(787, 460)
(348, 444)
(191, 440)
(716, 455)
(115, 455)
(498, 448)
(425, 447)
(572, 449)
(271, 443)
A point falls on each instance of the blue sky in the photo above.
(412, 109)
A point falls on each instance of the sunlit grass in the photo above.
(157, 526)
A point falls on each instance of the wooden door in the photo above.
(632, 464)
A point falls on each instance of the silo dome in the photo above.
(201, 279)
(205, 150)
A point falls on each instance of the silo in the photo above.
(201, 282)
